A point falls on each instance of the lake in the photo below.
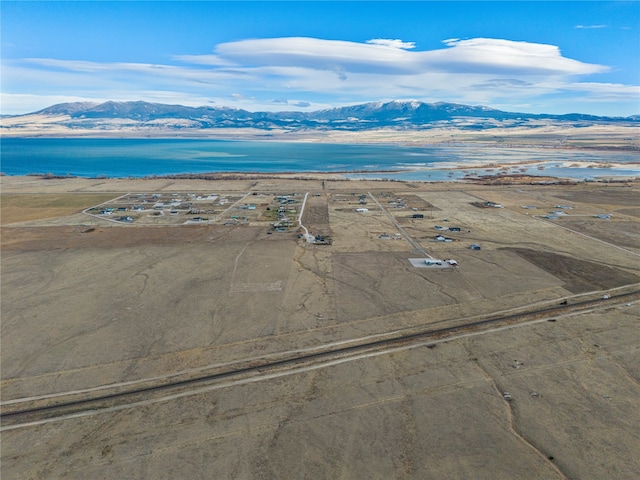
(90, 157)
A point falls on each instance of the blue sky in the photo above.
(539, 57)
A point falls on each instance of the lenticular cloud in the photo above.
(392, 43)
(318, 54)
(489, 54)
(395, 56)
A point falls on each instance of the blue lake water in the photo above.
(87, 157)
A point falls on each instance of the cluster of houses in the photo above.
(448, 229)
(398, 203)
(109, 211)
(283, 223)
(553, 215)
(442, 238)
(157, 204)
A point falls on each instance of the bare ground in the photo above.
(578, 275)
(86, 305)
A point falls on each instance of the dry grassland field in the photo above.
(187, 310)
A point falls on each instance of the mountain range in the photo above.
(405, 115)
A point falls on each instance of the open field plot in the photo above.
(356, 231)
(96, 304)
(419, 413)
(404, 205)
(578, 275)
(147, 300)
(57, 238)
(601, 196)
(316, 214)
(584, 210)
(512, 225)
(616, 231)
(620, 208)
(36, 184)
(374, 284)
(24, 207)
(633, 211)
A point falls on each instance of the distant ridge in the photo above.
(392, 111)
(148, 117)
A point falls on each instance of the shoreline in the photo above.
(488, 179)
(492, 169)
(561, 136)
(472, 161)
(459, 143)
(433, 144)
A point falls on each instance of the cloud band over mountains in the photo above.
(387, 57)
(318, 72)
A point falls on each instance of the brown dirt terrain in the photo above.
(579, 275)
(65, 237)
(88, 303)
(316, 214)
(21, 207)
(617, 231)
(624, 196)
(629, 211)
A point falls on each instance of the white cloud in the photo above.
(332, 55)
(606, 92)
(392, 43)
(392, 57)
(592, 26)
(248, 60)
(485, 55)
(317, 73)
(212, 60)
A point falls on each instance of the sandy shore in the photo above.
(542, 134)
(477, 165)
